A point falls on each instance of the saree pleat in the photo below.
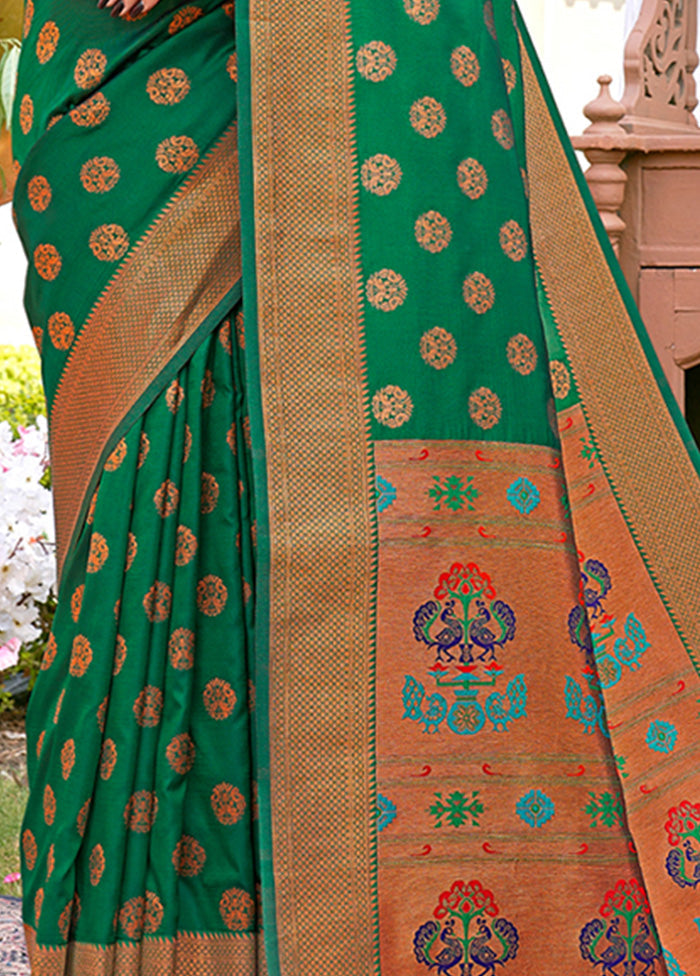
(377, 626)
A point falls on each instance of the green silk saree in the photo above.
(378, 628)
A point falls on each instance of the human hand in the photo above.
(127, 9)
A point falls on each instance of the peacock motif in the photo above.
(482, 952)
(442, 639)
(426, 937)
(624, 941)
(646, 949)
(595, 586)
(482, 639)
(684, 867)
(609, 955)
(683, 831)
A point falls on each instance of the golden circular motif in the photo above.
(219, 699)
(144, 448)
(99, 174)
(153, 914)
(76, 603)
(510, 75)
(561, 380)
(59, 706)
(26, 114)
(228, 803)
(38, 336)
(465, 66)
(231, 437)
(40, 743)
(185, 546)
(166, 498)
(174, 396)
(29, 849)
(109, 242)
(484, 408)
(96, 864)
(489, 19)
(120, 650)
(61, 330)
(229, 9)
(392, 406)
(386, 290)
(68, 917)
(101, 715)
(438, 348)
(211, 595)
(183, 18)
(47, 41)
(502, 128)
(67, 758)
(92, 112)
(168, 86)
(472, 178)
(50, 861)
(38, 903)
(148, 707)
(380, 174)
(237, 909)
(209, 495)
(177, 154)
(478, 292)
(157, 602)
(80, 656)
(98, 554)
(39, 193)
(181, 649)
(132, 548)
(117, 456)
(28, 17)
(90, 517)
(427, 116)
(131, 917)
(513, 240)
(376, 61)
(232, 66)
(521, 353)
(180, 753)
(49, 804)
(422, 11)
(82, 818)
(90, 68)
(189, 857)
(50, 652)
(208, 389)
(225, 336)
(47, 261)
(187, 446)
(108, 758)
(433, 232)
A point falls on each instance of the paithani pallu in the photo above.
(379, 615)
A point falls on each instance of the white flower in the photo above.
(9, 653)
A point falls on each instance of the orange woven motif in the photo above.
(38, 335)
(184, 17)
(39, 744)
(177, 154)
(427, 116)
(225, 336)
(82, 818)
(502, 129)
(438, 348)
(478, 292)
(380, 174)
(484, 408)
(28, 17)
(26, 114)
(228, 803)
(187, 447)
(98, 553)
(392, 406)
(185, 546)
(92, 112)
(50, 861)
(39, 193)
(181, 648)
(81, 656)
(132, 548)
(433, 231)
(99, 174)
(513, 240)
(180, 753)
(561, 380)
(131, 916)
(237, 909)
(144, 448)
(148, 706)
(29, 849)
(168, 86)
(157, 602)
(208, 389)
(240, 330)
(49, 804)
(232, 66)
(109, 242)
(472, 178)
(47, 261)
(97, 864)
(422, 11)
(69, 917)
(174, 396)
(90, 68)
(38, 903)
(67, 758)
(209, 494)
(101, 714)
(189, 857)
(117, 456)
(219, 698)
(386, 290)
(231, 437)
(108, 758)
(59, 705)
(47, 41)
(153, 913)
(50, 652)
(141, 811)
(120, 650)
(211, 595)
(166, 498)
(465, 66)
(521, 353)
(489, 19)
(510, 75)
(61, 330)
(376, 61)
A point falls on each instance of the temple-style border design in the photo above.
(322, 534)
(643, 452)
(172, 280)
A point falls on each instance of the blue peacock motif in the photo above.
(464, 938)
(624, 941)
(683, 834)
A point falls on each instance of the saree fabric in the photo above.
(378, 625)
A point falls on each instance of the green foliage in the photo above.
(30, 654)
(13, 799)
(21, 394)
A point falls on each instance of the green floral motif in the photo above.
(589, 451)
(454, 494)
(456, 809)
(605, 809)
(565, 502)
(620, 762)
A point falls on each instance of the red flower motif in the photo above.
(682, 821)
(466, 899)
(468, 580)
(627, 898)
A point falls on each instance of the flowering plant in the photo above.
(27, 568)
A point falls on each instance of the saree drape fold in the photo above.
(378, 626)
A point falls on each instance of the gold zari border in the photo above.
(642, 451)
(175, 276)
(220, 954)
(319, 487)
